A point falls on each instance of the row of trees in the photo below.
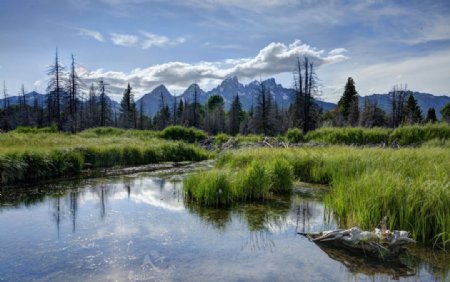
(404, 110)
(70, 110)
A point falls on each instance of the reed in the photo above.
(35, 155)
(411, 186)
(404, 135)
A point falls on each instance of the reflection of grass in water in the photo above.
(436, 262)
(257, 216)
(217, 218)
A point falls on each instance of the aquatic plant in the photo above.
(409, 186)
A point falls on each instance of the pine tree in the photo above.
(235, 116)
(431, 116)
(127, 109)
(412, 112)
(445, 112)
(348, 104)
(105, 108)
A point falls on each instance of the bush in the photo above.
(33, 130)
(294, 135)
(221, 138)
(176, 132)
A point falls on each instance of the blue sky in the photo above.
(149, 42)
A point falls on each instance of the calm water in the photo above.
(138, 228)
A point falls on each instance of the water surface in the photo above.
(138, 228)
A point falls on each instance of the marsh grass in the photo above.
(404, 135)
(28, 157)
(410, 186)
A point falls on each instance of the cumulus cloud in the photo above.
(273, 59)
(91, 33)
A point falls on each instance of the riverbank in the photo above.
(31, 157)
(409, 186)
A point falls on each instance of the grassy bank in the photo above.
(410, 186)
(32, 156)
(405, 135)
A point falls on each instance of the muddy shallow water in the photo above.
(138, 228)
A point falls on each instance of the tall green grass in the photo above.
(404, 135)
(32, 156)
(257, 181)
(410, 186)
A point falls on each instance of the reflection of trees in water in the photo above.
(73, 199)
(57, 213)
(259, 241)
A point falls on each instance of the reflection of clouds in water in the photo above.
(305, 216)
(154, 192)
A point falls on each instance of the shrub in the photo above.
(176, 132)
(294, 135)
(221, 138)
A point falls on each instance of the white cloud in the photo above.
(337, 51)
(91, 33)
(124, 39)
(149, 40)
(273, 59)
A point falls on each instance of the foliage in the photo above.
(410, 186)
(294, 135)
(349, 135)
(221, 138)
(176, 132)
(404, 135)
(446, 113)
(348, 104)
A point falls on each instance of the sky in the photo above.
(146, 43)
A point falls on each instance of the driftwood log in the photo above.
(382, 244)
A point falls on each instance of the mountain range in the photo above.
(248, 93)
(228, 89)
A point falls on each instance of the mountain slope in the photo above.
(424, 100)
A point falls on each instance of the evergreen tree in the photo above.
(431, 115)
(412, 112)
(215, 115)
(127, 117)
(235, 116)
(72, 100)
(445, 112)
(105, 108)
(162, 118)
(348, 104)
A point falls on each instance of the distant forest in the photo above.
(67, 110)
